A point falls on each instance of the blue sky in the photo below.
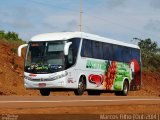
(117, 19)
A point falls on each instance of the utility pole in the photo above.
(81, 12)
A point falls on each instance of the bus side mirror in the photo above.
(66, 48)
(20, 49)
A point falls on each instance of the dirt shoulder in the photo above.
(110, 109)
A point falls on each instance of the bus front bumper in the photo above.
(44, 84)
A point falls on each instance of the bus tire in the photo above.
(125, 90)
(94, 92)
(81, 86)
(44, 92)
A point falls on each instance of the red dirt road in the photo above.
(76, 107)
(72, 101)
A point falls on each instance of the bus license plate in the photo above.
(42, 84)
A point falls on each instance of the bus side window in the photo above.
(119, 53)
(130, 54)
(115, 53)
(110, 52)
(136, 54)
(86, 48)
(97, 50)
(101, 50)
(126, 54)
(107, 51)
(73, 50)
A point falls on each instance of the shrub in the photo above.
(150, 55)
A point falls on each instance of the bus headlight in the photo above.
(47, 79)
(28, 78)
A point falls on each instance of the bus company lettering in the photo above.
(70, 80)
(38, 67)
(96, 65)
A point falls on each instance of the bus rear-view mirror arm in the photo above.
(20, 49)
(66, 48)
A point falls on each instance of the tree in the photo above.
(150, 58)
(148, 47)
(12, 36)
(2, 34)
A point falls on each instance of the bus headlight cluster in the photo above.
(47, 79)
(28, 78)
(59, 76)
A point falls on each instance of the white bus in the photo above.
(81, 62)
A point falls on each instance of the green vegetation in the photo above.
(11, 37)
(14, 50)
(150, 54)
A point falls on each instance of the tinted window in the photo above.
(101, 50)
(74, 48)
(115, 51)
(136, 54)
(126, 54)
(97, 50)
(107, 51)
(86, 48)
(118, 53)
(75, 45)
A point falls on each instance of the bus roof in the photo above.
(69, 35)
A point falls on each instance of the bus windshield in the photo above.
(45, 57)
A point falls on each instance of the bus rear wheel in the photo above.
(45, 92)
(125, 90)
(81, 87)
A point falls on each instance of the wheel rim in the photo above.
(125, 89)
(81, 86)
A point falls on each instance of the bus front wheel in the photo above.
(81, 87)
(45, 92)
